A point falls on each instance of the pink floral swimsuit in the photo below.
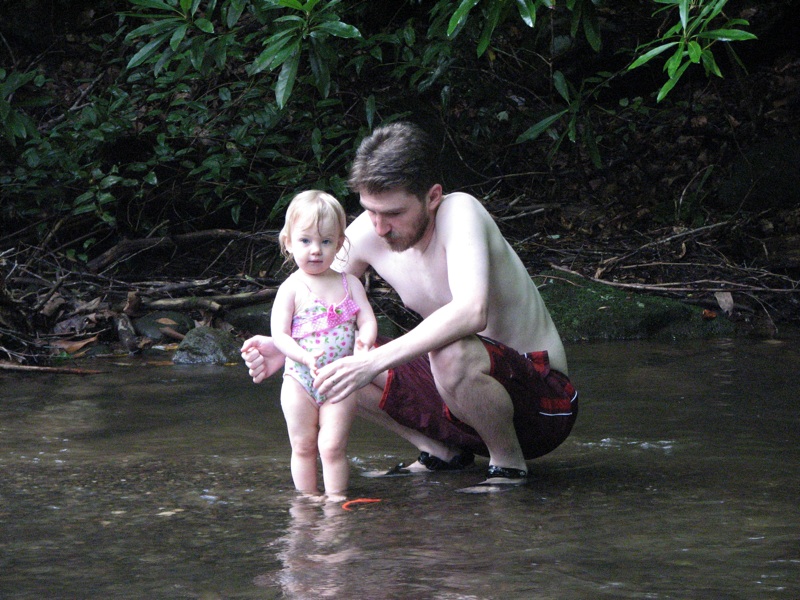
(330, 328)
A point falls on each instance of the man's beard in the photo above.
(401, 244)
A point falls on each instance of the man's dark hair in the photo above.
(396, 156)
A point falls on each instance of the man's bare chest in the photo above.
(420, 281)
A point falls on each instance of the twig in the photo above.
(609, 262)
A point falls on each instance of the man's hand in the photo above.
(337, 380)
(262, 357)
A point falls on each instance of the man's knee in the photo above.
(459, 364)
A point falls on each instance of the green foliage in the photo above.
(176, 33)
(701, 23)
(14, 122)
(575, 118)
(217, 111)
(495, 12)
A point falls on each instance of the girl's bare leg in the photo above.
(335, 422)
(302, 421)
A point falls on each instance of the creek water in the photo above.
(149, 481)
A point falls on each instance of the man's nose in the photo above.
(382, 228)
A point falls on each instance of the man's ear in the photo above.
(434, 196)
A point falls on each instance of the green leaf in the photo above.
(683, 10)
(156, 4)
(560, 83)
(727, 35)
(527, 12)
(591, 28)
(710, 64)
(370, 110)
(204, 25)
(460, 15)
(534, 132)
(319, 68)
(675, 60)
(273, 55)
(667, 87)
(234, 11)
(339, 29)
(695, 51)
(146, 51)
(109, 181)
(651, 54)
(177, 36)
(160, 26)
(316, 142)
(492, 21)
(286, 78)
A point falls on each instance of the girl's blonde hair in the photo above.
(314, 206)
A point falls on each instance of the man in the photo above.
(456, 384)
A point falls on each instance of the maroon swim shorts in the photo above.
(545, 402)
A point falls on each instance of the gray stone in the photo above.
(151, 325)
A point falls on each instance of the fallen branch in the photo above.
(7, 366)
(717, 286)
(212, 303)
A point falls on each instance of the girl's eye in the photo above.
(327, 242)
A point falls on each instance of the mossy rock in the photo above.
(587, 311)
(253, 319)
(205, 345)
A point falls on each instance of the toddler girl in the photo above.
(318, 315)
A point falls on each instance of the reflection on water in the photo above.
(680, 481)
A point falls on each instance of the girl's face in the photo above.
(314, 245)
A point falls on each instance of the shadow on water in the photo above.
(679, 481)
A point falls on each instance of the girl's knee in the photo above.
(304, 445)
(332, 449)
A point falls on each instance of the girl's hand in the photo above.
(361, 346)
(310, 360)
(262, 357)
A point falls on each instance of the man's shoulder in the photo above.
(459, 197)
(461, 202)
(460, 211)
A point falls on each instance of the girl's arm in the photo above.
(365, 319)
(281, 325)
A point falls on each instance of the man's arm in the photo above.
(462, 231)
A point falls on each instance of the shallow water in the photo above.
(679, 481)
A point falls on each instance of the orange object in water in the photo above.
(349, 503)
